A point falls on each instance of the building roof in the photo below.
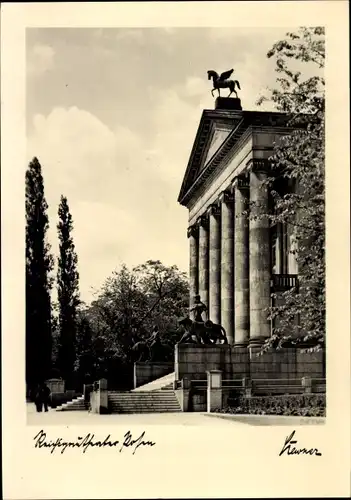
(209, 150)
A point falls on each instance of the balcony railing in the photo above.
(283, 282)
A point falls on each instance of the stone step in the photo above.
(158, 401)
(148, 398)
(131, 411)
(149, 403)
(75, 404)
(161, 394)
(143, 405)
(168, 387)
(75, 408)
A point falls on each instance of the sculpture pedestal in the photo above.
(195, 360)
(232, 103)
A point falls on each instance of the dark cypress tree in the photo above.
(68, 294)
(39, 263)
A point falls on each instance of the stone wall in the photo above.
(193, 361)
(56, 385)
(289, 363)
(147, 372)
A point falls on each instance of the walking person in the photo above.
(38, 398)
(45, 395)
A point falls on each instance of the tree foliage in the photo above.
(39, 264)
(297, 185)
(68, 293)
(129, 305)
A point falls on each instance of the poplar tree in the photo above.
(39, 264)
(68, 294)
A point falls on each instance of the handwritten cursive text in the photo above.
(289, 449)
(89, 441)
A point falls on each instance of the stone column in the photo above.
(227, 264)
(193, 262)
(215, 264)
(203, 259)
(260, 327)
(241, 262)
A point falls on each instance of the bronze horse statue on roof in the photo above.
(222, 82)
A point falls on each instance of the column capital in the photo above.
(202, 221)
(242, 182)
(258, 165)
(192, 230)
(226, 196)
(214, 210)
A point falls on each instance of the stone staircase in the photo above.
(165, 382)
(157, 401)
(76, 404)
(155, 397)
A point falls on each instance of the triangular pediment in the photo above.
(218, 137)
(214, 129)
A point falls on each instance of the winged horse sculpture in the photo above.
(223, 82)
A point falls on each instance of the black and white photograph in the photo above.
(216, 258)
(176, 215)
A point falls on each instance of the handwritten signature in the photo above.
(289, 449)
(88, 441)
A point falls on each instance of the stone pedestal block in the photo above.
(214, 390)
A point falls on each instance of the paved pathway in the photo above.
(53, 417)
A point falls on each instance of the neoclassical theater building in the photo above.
(235, 262)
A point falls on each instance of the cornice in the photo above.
(275, 121)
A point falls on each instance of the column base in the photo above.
(257, 341)
(242, 344)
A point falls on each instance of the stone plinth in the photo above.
(228, 103)
(194, 361)
(214, 390)
(56, 385)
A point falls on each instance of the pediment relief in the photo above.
(218, 137)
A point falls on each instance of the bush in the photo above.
(304, 405)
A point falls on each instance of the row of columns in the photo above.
(230, 260)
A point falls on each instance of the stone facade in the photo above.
(233, 259)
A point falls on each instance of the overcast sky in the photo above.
(112, 115)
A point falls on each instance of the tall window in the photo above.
(279, 249)
(273, 238)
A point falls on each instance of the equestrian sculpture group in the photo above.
(200, 331)
(196, 332)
